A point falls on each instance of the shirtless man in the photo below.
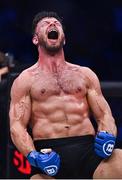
(55, 97)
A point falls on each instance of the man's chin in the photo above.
(53, 46)
(53, 49)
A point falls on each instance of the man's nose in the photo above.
(52, 24)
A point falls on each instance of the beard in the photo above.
(52, 48)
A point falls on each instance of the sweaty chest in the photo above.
(55, 84)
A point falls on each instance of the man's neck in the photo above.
(51, 62)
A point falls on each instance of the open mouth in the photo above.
(53, 34)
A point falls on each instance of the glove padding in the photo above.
(48, 163)
(104, 144)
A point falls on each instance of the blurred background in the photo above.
(93, 32)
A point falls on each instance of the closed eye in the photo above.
(45, 23)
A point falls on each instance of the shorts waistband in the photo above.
(63, 141)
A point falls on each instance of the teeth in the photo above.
(52, 30)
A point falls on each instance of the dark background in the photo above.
(93, 32)
(93, 38)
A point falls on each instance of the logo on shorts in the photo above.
(108, 147)
(21, 163)
(51, 170)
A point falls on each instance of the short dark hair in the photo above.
(39, 16)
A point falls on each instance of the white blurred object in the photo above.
(10, 59)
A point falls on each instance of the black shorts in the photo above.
(78, 159)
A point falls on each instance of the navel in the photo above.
(67, 127)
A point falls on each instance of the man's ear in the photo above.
(35, 40)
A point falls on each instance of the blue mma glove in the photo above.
(104, 144)
(48, 162)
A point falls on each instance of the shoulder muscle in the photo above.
(21, 85)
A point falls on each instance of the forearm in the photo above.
(107, 123)
(21, 139)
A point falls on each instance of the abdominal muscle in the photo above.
(59, 117)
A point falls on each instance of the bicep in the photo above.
(96, 100)
(98, 103)
(20, 106)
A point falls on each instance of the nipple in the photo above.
(79, 89)
(43, 91)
